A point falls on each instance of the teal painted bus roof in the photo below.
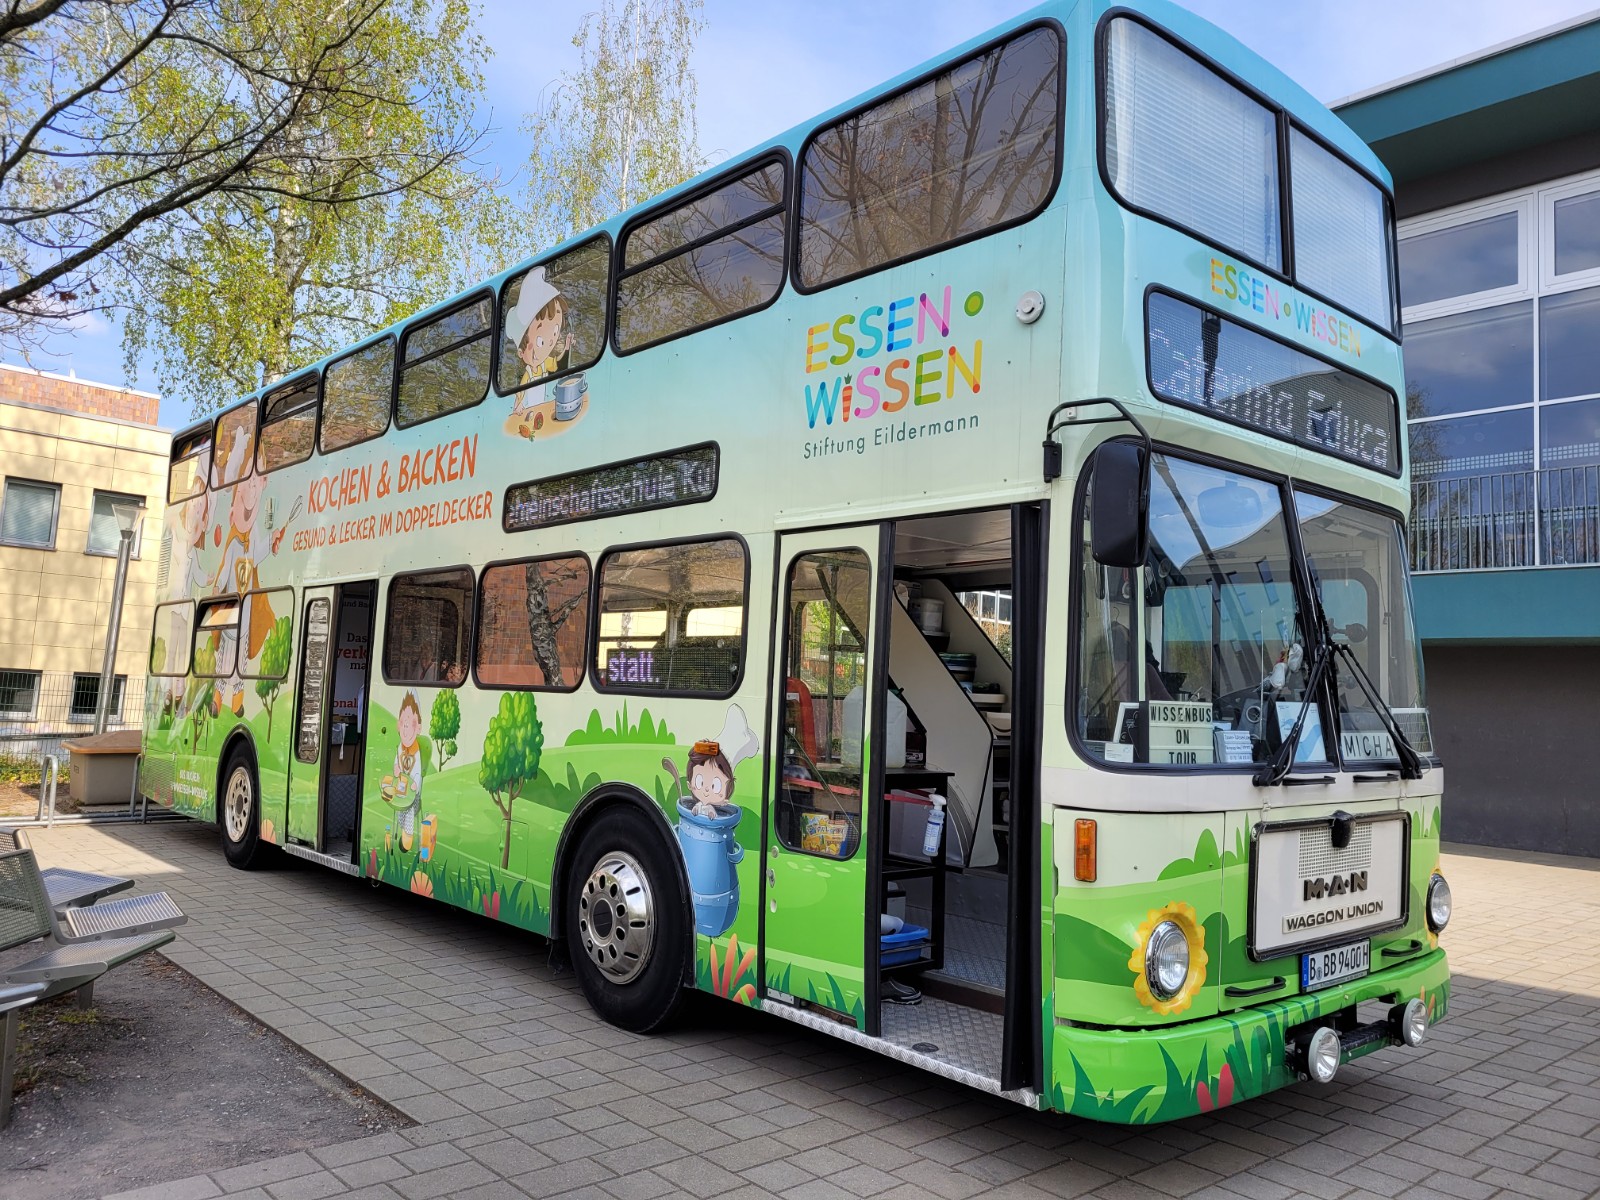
(1526, 94)
(1203, 36)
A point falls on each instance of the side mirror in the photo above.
(1119, 505)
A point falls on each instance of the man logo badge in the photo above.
(1335, 885)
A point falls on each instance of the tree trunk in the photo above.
(541, 627)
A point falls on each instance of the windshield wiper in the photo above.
(1410, 760)
(1276, 769)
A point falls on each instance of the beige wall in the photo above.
(55, 604)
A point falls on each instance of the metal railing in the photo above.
(41, 709)
(1516, 519)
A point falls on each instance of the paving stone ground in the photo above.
(519, 1090)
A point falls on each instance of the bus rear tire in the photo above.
(626, 922)
(239, 813)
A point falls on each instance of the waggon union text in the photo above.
(1331, 916)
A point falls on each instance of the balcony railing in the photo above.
(1517, 519)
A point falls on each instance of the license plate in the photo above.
(1324, 968)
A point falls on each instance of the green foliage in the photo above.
(1207, 857)
(481, 889)
(511, 750)
(645, 732)
(275, 654)
(444, 723)
(373, 212)
(619, 128)
(1089, 953)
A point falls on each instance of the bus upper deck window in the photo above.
(971, 149)
(1342, 232)
(445, 363)
(288, 425)
(1187, 146)
(355, 396)
(553, 319)
(191, 467)
(235, 446)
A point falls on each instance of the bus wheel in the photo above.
(241, 812)
(626, 923)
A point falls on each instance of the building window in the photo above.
(1502, 308)
(28, 514)
(19, 694)
(105, 536)
(86, 697)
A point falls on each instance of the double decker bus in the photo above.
(621, 599)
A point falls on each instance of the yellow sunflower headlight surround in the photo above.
(1159, 925)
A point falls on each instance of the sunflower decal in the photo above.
(1183, 916)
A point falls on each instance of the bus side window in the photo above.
(235, 446)
(533, 618)
(216, 638)
(191, 466)
(288, 425)
(427, 631)
(355, 396)
(972, 149)
(444, 363)
(553, 318)
(704, 260)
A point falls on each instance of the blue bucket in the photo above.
(711, 856)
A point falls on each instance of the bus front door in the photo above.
(824, 798)
(305, 767)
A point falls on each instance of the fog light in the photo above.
(1438, 904)
(1322, 1054)
(1411, 1022)
(1166, 960)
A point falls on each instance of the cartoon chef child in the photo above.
(403, 790)
(537, 324)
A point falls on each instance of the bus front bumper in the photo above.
(1175, 1071)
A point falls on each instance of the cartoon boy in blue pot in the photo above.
(707, 818)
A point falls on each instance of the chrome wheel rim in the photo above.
(236, 804)
(616, 917)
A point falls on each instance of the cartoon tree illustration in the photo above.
(511, 751)
(444, 723)
(275, 652)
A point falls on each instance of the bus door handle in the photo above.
(1272, 985)
(1410, 947)
(1389, 777)
(1305, 780)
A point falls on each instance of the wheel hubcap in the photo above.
(236, 804)
(616, 918)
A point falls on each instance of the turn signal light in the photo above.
(1085, 851)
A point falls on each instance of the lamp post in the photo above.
(127, 515)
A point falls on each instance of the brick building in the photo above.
(69, 451)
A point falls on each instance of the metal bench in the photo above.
(65, 886)
(12, 1001)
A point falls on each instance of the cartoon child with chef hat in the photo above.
(537, 325)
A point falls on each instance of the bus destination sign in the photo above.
(678, 477)
(1206, 362)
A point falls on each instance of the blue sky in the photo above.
(764, 67)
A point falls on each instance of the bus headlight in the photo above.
(1438, 904)
(1166, 960)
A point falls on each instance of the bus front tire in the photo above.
(626, 922)
(240, 813)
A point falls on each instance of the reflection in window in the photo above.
(1341, 232)
(1569, 487)
(972, 148)
(236, 446)
(1569, 434)
(1356, 561)
(1487, 444)
(1179, 659)
(355, 396)
(169, 647)
(266, 631)
(672, 618)
(1569, 352)
(445, 363)
(289, 425)
(829, 598)
(1185, 144)
(690, 273)
(531, 623)
(1478, 359)
(216, 639)
(191, 466)
(1577, 234)
(427, 630)
(1477, 256)
(553, 317)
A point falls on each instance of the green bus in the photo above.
(938, 578)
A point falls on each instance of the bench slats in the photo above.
(67, 887)
(120, 918)
(67, 967)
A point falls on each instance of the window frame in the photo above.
(418, 323)
(469, 616)
(592, 671)
(55, 512)
(1284, 122)
(796, 279)
(194, 441)
(606, 316)
(188, 658)
(200, 609)
(244, 624)
(619, 251)
(1465, 214)
(119, 687)
(390, 405)
(584, 656)
(264, 422)
(252, 404)
(32, 714)
(138, 532)
(505, 495)
(1588, 184)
